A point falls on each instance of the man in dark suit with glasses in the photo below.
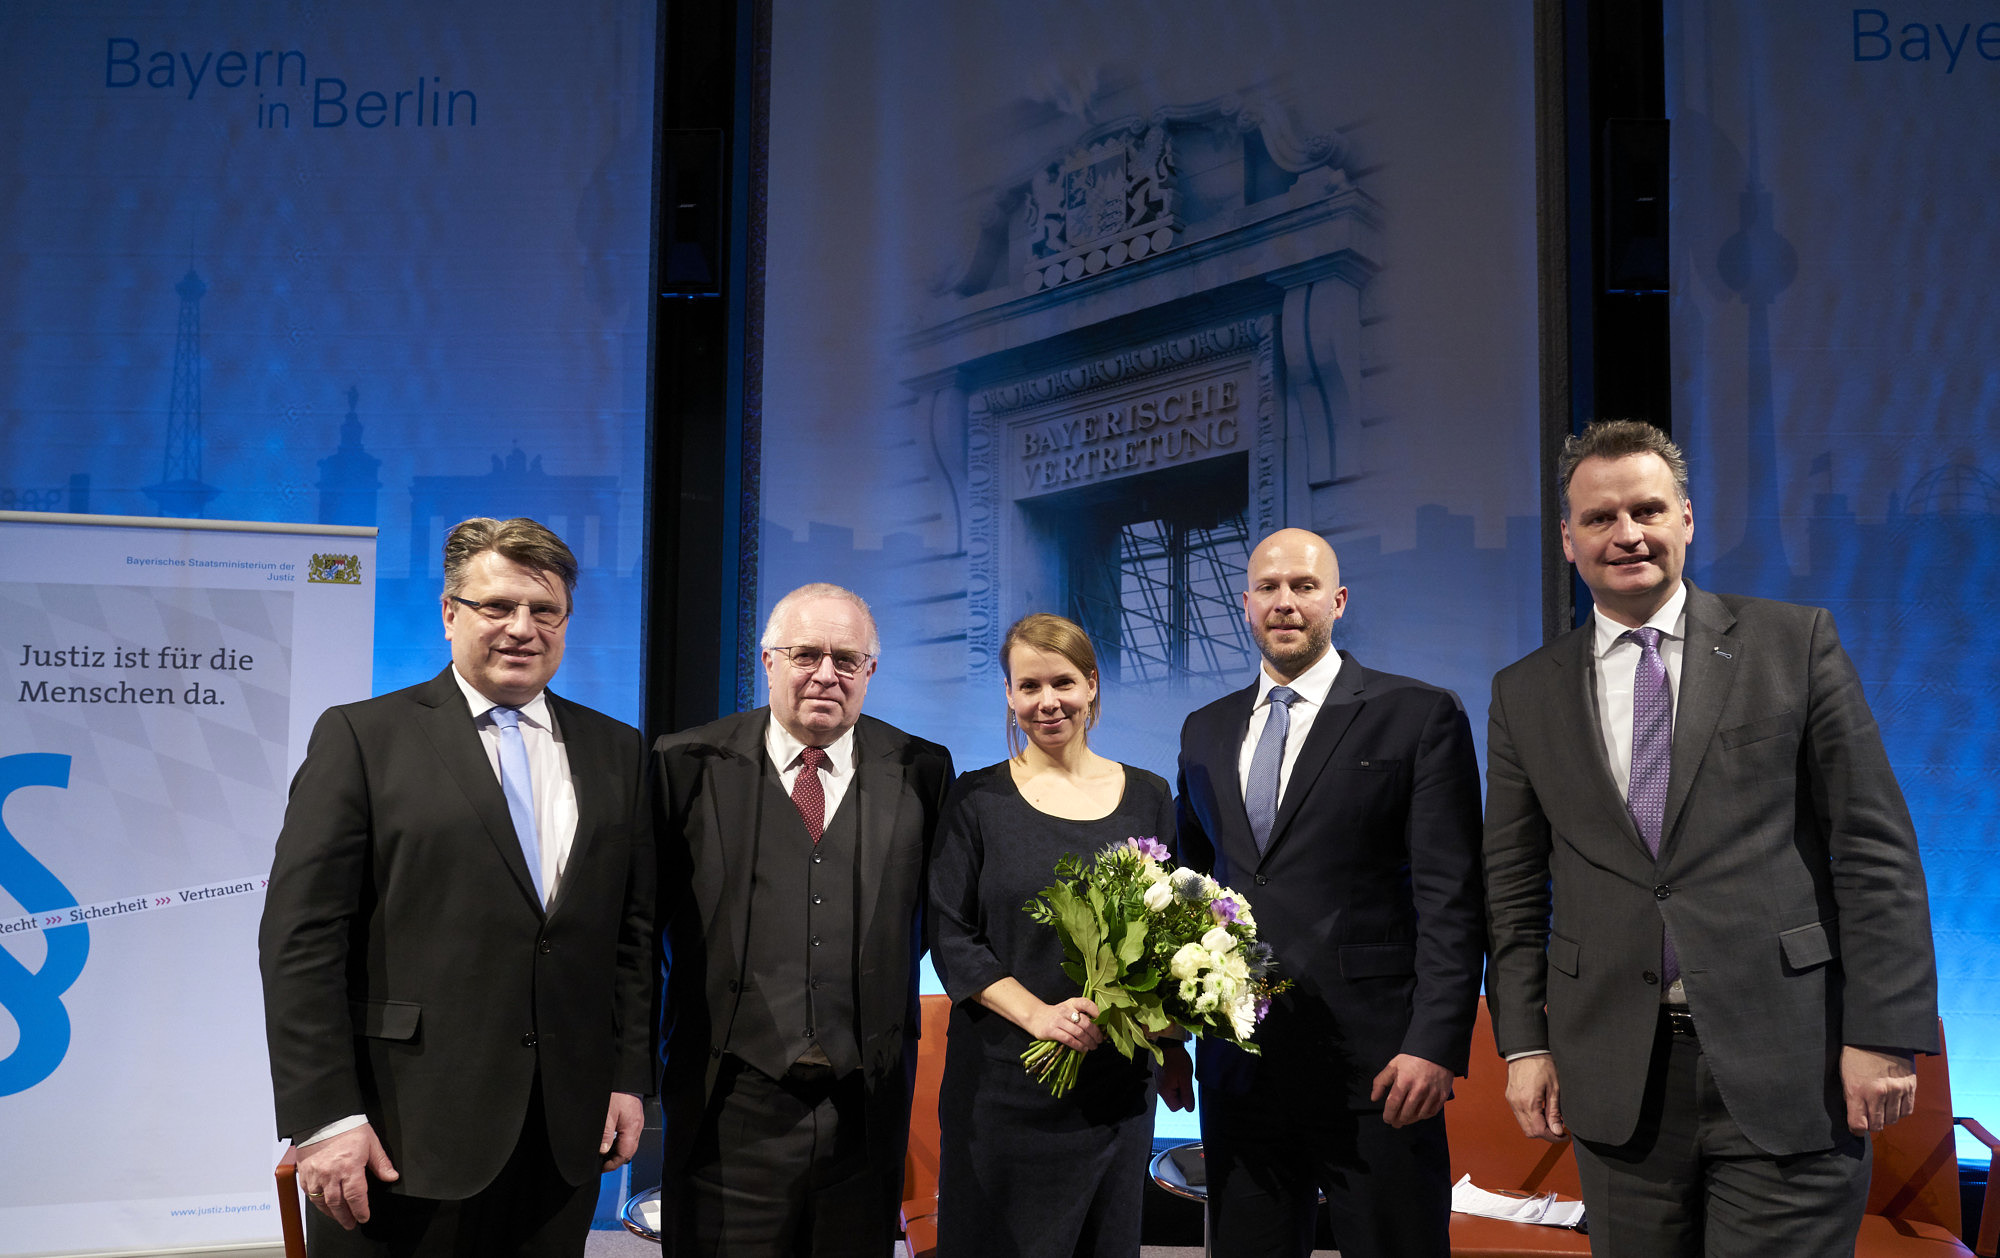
(457, 939)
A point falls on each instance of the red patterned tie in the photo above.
(808, 795)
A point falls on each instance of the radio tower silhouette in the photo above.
(181, 491)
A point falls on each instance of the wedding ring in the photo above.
(315, 1193)
(1074, 1016)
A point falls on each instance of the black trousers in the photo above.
(1689, 1183)
(528, 1211)
(781, 1170)
(1272, 1150)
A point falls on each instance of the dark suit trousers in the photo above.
(781, 1170)
(528, 1211)
(1690, 1185)
(1272, 1150)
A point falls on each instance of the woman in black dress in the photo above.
(1021, 1172)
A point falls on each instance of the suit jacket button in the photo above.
(528, 1040)
(1262, 880)
(547, 947)
(1662, 891)
(732, 984)
(1651, 978)
(715, 1052)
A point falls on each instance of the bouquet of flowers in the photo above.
(1154, 947)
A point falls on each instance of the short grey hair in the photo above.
(1618, 439)
(808, 593)
(520, 540)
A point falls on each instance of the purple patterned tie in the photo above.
(1652, 758)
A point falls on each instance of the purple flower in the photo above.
(1263, 1007)
(1223, 909)
(1151, 847)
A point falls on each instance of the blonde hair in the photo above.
(1058, 635)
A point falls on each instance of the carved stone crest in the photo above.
(1102, 205)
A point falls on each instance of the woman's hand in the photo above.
(1069, 1023)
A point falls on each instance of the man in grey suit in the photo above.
(795, 844)
(1711, 947)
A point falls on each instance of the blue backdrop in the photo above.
(1836, 340)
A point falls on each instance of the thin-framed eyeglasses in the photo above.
(807, 659)
(547, 615)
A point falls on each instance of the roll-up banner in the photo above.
(160, 678)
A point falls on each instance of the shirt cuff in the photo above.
(1532, 1052)
(332, 1129)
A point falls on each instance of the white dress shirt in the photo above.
(835, 776)
(1311, 686)
(1616, 664)
(548, 767)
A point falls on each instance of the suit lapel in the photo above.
(1579, 734)
(588, 756)
(446, 723)
(734, 829)
(878, 782)
(1343, 703)
(1709, 663)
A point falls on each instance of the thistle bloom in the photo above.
(1187, 885)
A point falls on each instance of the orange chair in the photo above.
(289, 1221)
(1913, 1208)
(920, 1165)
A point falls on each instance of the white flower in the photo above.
(1219, 941)
(1159, 896)
(1206, 1002)
(1189, 962)
(1243, 1015)
(1233, 964)
(1154, 872)
(1210, 888)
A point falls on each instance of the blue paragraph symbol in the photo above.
(34, 997)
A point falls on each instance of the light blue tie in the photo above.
(519, 786)
(1261, 799)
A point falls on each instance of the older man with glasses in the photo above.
(794, 845)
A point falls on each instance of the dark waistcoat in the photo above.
(799, 964)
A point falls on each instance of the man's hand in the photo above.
(1535, 1096)
(1881, 1088)
(1176, 1076)
(1416, 1089)
(624, 1119)
(333, 1173)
